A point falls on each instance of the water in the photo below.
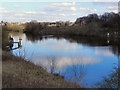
(82, 60)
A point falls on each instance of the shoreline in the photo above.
(25, 74)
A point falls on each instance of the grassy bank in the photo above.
(18, 73)
(13, 27)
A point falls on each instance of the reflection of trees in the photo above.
(114, 44)
(112, 81)
(90, 41)
(33, 38)
(78, 73)
(52, 63)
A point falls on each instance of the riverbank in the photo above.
(105, 26)
(18, 73)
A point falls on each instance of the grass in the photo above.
(14, 27)
(18, 73)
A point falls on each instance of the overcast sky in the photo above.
(23, 11)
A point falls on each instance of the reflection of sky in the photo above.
(97, 61)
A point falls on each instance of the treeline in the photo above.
(110, 20)
(35, 27)
(106, 25)
(94, 25)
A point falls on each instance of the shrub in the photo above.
(15, 27)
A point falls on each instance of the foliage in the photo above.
(33, 27)
(95, 25)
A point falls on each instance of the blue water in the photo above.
(80, 63)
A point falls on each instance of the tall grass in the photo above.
(15, 27)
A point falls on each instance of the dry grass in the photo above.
(18, 73)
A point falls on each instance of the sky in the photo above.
(47, 11)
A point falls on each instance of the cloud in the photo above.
(84, 8)
(77, 60)
(61, 63)
(103, 51)
(88, 10)
(19, 15)
(93, 10)
(42, 12)
(62, 14)
(64, 4)
(4, 11)
(31, 12)
(17, 5)
(113, 7)
(115, 11)
(73, 8)
(63, 45)
(23, 18)
(2, 8)
(60, 7)
(74, 14)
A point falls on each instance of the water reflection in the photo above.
(80, 59)
(89, 41)
(61, 63)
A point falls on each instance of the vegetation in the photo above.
(111, 81)
(19, 73)
(91, 25)
(33, 27)
(13, 27)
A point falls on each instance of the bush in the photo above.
(15, 27)
(33, 27)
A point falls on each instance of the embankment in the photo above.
(18, 73)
